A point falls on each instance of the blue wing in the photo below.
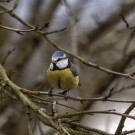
(74, 71)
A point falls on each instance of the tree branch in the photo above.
(122, 121)
(55, 45)
(17, 90)
(85, 127)
(112, 111)
(80, 99)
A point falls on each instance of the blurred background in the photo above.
(95, 31)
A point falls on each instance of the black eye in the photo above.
(59, 59)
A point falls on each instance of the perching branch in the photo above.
(43, 117)
(80, 99)
(47, 120)
(32, 100)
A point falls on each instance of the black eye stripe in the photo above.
(60, 59)
(55, 67)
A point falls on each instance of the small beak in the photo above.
(53, 61)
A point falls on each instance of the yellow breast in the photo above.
(63, 79)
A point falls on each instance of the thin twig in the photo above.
(73, 30)
(45, 101)
(123, 89)
(87, 63)
(27, 102)
(8, 54)
(64, 129)
(46, 25)
(54, 111)
(111, 111)
(15, 5)
(127, 44)
(126, 23)
(80, 99)
(128, 132)
(46, 119)
(18, 30)
(55, 31)
(29, 120)
(6, 0)
(122, 121)
(40, 128)
(85, 127)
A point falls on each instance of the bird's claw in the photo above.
(50, 93)
(65, 94)
(66, 97)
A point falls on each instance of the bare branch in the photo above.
(111, 111)
(13, 7)
(80, 99)
(6, 0)
(46, 25)
(122, 121)
(44, 101)
(87, 63)
(55, 31)
(109, 94)
(46, 119)
(126, 23)
(8, 54)
(42, 115)
(128, 132)
(85, 127)
(29, 120)
(18, 31)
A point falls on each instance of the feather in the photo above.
(74, 71)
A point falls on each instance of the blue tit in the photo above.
(61, 74)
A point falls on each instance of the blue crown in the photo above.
(58, 54)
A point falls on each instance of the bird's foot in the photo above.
(65, 93)
(50, 92)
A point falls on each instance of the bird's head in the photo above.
(59, 61)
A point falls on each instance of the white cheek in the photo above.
(62, 64)
(51, 66)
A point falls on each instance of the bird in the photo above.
(62, 74)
